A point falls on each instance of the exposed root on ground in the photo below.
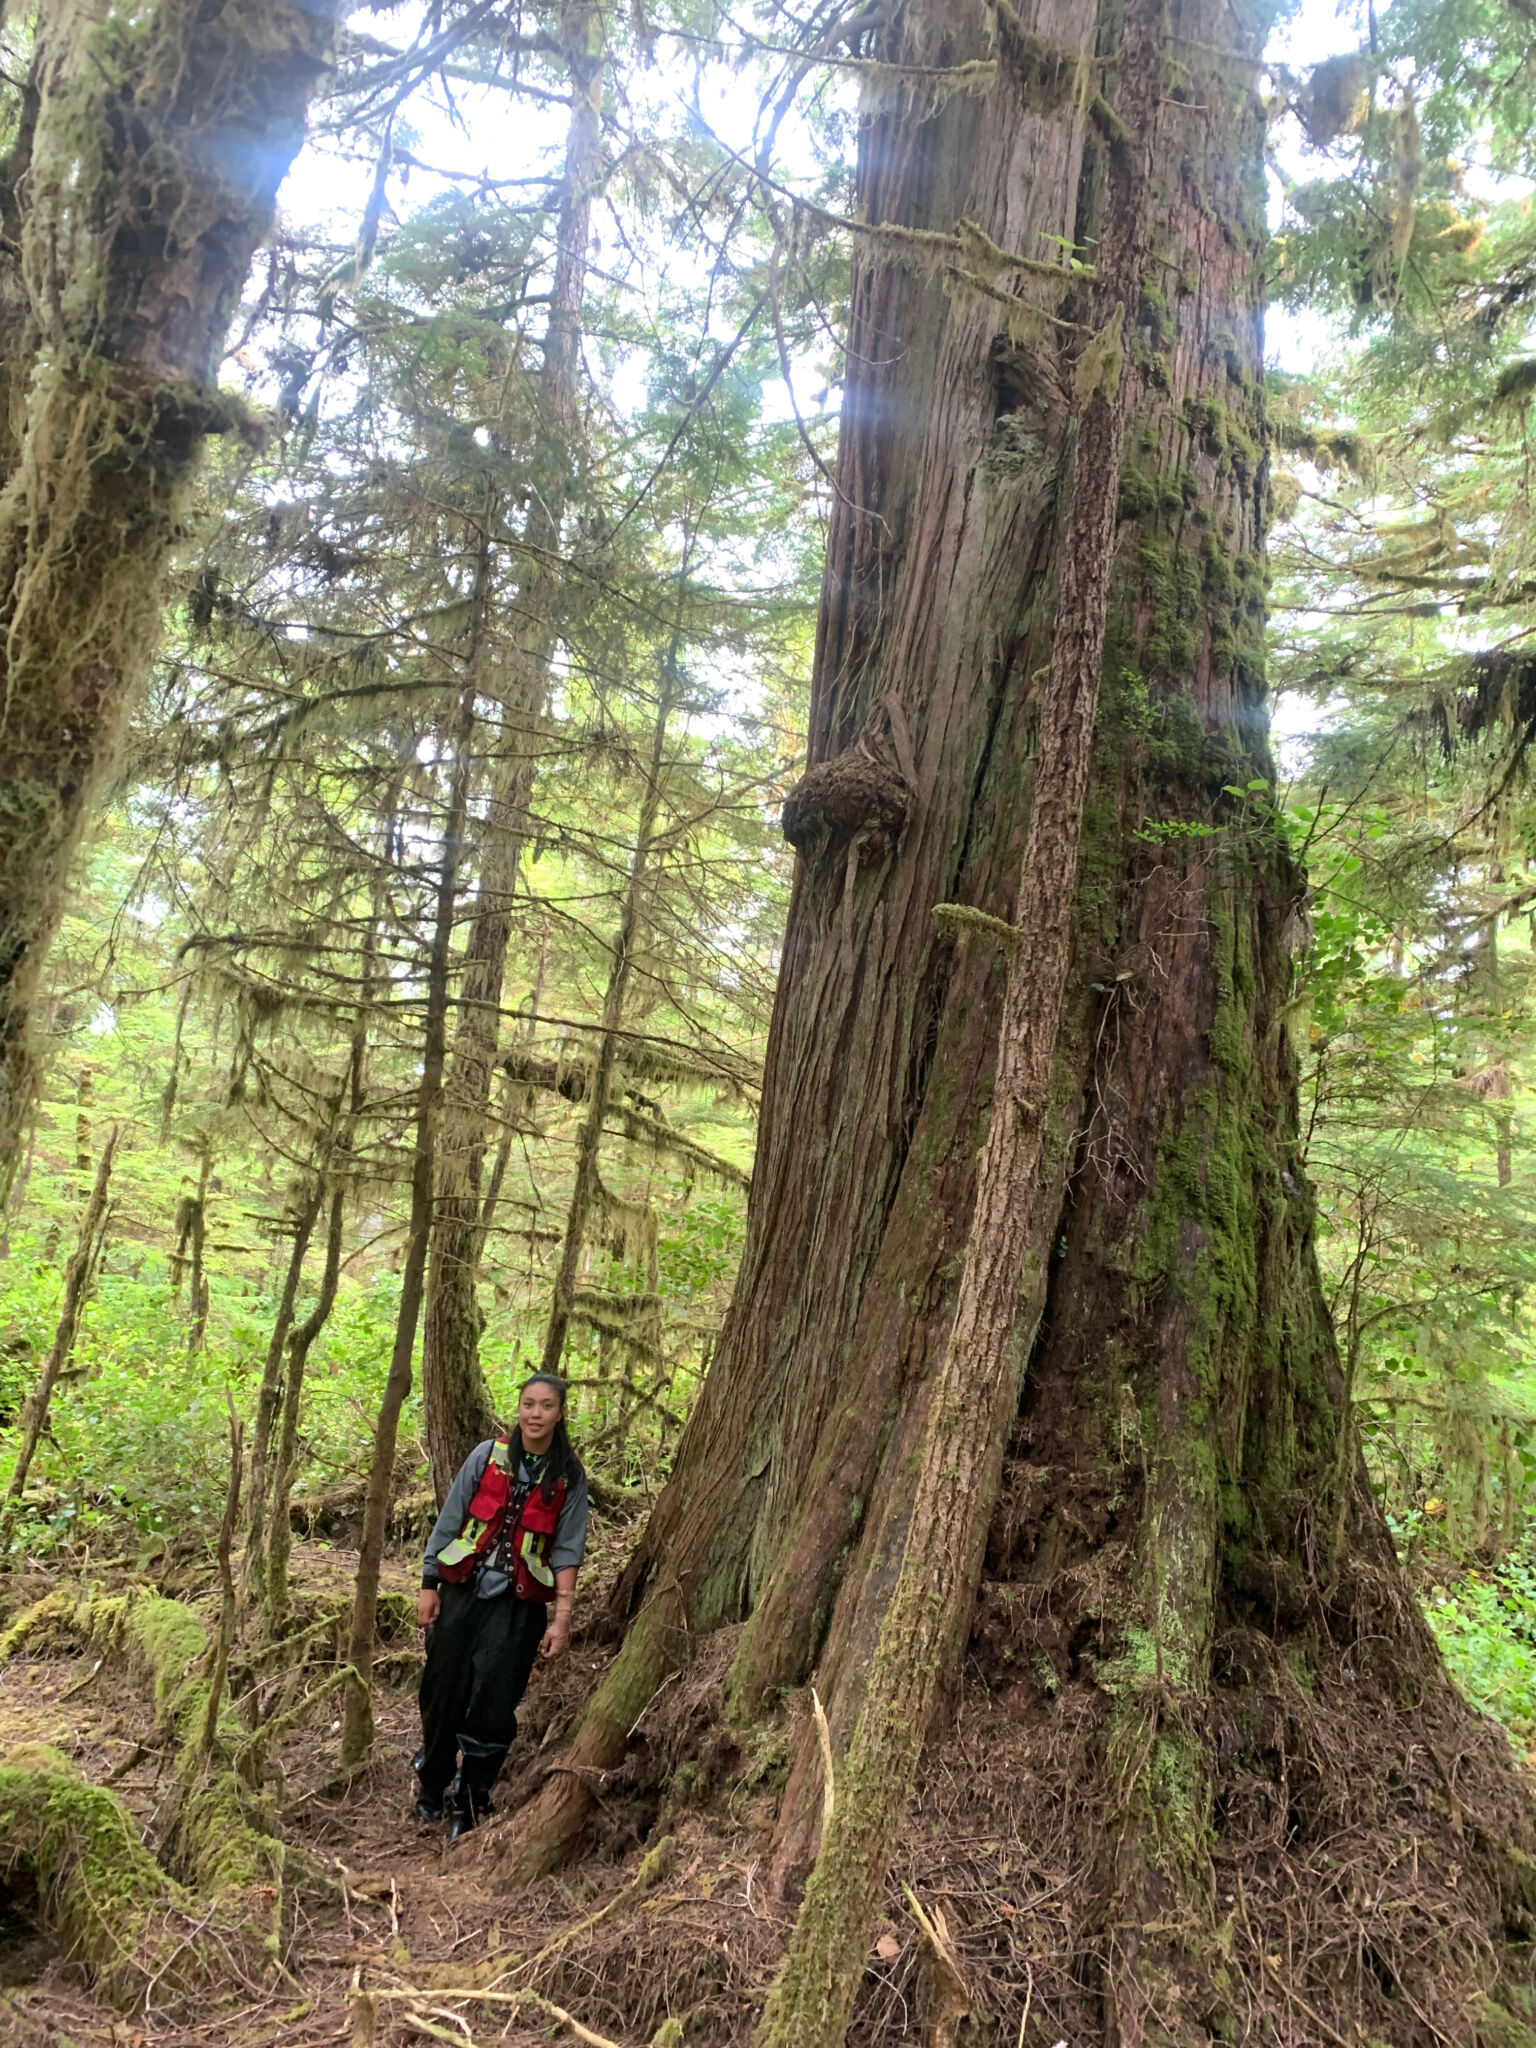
(1369, 1865)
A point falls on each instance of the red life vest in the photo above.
(528, 1539)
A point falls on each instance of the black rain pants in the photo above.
(479, 1657)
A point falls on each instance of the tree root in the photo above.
(364, 2004)
(102, 1893)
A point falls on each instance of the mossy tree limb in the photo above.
(161, 135)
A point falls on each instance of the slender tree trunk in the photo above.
(197, 1238)
(83, 1092)
(135, 234)
(458, 1408)
(300, 1344)
(357, 1709)
(19, 1184)
(224, 1634)
(77, 1278)
(1509, 1490)
(173, 1079)
(503, 1157)
(270, 1393)
(589, 1139)
(280, 1532)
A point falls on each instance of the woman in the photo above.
(497, 1585)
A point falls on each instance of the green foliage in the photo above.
(1485, 1625)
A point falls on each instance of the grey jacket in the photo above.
(570, 1539)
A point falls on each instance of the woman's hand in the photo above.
(557, 1637)
(427, 1606)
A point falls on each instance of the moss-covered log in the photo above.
(160, 136)
(100, 1892)
(218, 1834)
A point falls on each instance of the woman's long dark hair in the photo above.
(563, 1462)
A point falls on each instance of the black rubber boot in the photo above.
(430, 1805)
(480, 1762)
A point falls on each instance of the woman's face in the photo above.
(538, 1410)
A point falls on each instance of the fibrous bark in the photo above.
(161, 134)
(967, 1406)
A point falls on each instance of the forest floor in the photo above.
(382, 1906)
(665, 1933)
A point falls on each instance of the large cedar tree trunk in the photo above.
(1197, 1698)
(153, 141)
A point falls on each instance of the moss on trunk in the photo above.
(160, 136)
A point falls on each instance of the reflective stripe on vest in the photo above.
(487, 1511)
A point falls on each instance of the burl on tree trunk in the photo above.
(1201, 1694)
(153, 142)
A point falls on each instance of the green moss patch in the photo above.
(102, 1894)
